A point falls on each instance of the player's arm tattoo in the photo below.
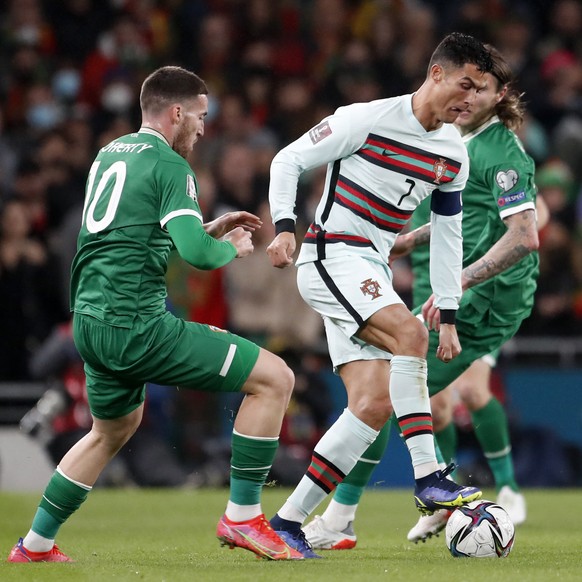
(421, 235)
(406, 243)
(519, 241)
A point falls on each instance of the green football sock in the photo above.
(492, 432)
(250, 464)
(61, 498)
(350, 490)
(447, 442)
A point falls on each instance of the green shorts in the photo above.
(478, 338)
(162, 349)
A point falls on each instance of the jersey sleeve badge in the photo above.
(440, 169)
(319, 132)
(507, 180)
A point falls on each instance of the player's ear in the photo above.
(176, 114)
(436, 73)
(502, 94)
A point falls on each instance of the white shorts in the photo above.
(346, 292)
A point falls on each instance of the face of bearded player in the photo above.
(483, 107)
(190, 124)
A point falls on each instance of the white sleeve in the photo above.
(446, 259)
(446, 239)
(335, 137)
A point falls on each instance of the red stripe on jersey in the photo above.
(388, 161)
(350, 204)
(415, 153)
(340, 237)
(363, 196)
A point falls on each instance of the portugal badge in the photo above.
(372, 288)
(439, 168)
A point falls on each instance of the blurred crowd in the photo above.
(70, 73)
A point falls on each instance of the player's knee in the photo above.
(372, 410)
(111, 441)
(279, 381)
(412, 338)
(475, 399)
(112, 435)
(441, 406)
(285, 381)
(123, 434)
(442, 416)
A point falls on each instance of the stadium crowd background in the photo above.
(70, 73)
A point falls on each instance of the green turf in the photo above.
(134, 535)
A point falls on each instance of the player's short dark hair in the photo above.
(169, 85)
(458, 49)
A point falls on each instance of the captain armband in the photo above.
(446, 203)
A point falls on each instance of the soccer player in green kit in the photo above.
(141, 201)
(499, 280)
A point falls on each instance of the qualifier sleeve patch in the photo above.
(319, 132)
(507, 180)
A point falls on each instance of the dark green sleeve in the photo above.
(196, 247)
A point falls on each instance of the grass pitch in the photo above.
(168, 535)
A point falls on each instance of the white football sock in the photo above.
(236, 512)
(334, 457)
(36, 543)
(338, 516)
(409, 395)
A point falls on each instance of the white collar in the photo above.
(155, 132)
(469, 136)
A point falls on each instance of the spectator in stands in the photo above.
(554, 312)
(266, 305)
(29, 300)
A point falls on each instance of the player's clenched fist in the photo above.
(281, 250)
(242, 241)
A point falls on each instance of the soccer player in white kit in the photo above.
(383, 158)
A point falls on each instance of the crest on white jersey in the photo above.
(191, 187)
(440, 169)
(507, 180)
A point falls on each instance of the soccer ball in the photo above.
(480, 529)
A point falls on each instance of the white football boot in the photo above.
(514, 503)
(429, 525)
(322, 538)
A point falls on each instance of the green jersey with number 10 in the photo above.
(135, 186)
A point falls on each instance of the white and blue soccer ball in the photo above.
(480, 529)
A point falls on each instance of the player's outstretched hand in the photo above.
(431, 314)
(281, 250)
(449, 346)
(242, 241)
(227, 222)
